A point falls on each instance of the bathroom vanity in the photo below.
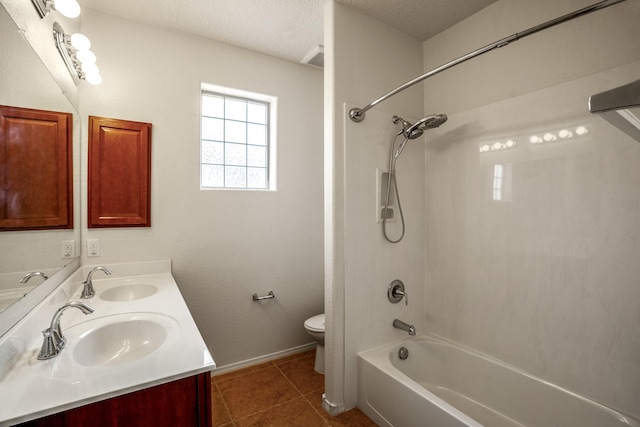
(138, 359)
(185, 402)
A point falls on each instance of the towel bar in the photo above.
(268, 296)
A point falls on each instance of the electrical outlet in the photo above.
(93, 247)
(68, 249)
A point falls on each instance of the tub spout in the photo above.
(399, 324)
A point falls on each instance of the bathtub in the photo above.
(443, 385)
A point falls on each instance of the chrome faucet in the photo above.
(54, 341)
(26, 278)
(87, 290)
(399, 324)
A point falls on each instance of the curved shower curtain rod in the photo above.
(358, 114)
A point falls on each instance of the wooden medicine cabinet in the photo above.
(36, 169)
(119, 181)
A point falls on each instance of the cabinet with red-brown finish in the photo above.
(36, 170)
(119, 182)
(185, 402)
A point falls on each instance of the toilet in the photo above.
(315, 327)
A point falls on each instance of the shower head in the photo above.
(413, 131)
(416, 130)
(410, 131)
(434, 121)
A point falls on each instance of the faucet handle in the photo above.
(395, 292)
(49, 349)
(51, 345)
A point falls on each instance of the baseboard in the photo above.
(261, 359)
(332, 408)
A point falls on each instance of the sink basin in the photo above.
(128, 292)
(122, 341)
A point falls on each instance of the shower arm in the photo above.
(358, 114)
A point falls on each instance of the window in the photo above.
(498, 177)
(236, 140)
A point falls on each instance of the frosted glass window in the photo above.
(256, 177)
(256, 134)
(235, 109)
(256, 156)
(257, 113)
(235, 131)
(235, 154)
(213, 106)
(212, 176)
(235, 177)
(212, 129)
(213, 152)
(234, 141)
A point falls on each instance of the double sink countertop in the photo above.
(141, 334)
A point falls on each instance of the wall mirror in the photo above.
(26, 82)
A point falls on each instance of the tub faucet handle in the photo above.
(395, 292)
(405, 295)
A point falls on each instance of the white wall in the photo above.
(547, 279)
(224, 245)
(367, 59)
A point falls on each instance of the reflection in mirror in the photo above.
(25, 82)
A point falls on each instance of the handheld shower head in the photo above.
(431, 122)
(413, 131)
(410, 131)
(416, 130)
(435, 121)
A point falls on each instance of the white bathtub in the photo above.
(441, 385)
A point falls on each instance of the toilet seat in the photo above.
(315, 323)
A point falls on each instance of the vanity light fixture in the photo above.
(559, 135)
(543, 137)
(75, 52)
(68, 8)
(497, 145)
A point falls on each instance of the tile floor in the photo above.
(285, 392)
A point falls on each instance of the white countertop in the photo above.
(31, 388)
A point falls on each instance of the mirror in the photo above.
(26, 82)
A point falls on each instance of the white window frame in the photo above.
(272, 102)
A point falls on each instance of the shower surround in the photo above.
(532, 251)
(545, 278)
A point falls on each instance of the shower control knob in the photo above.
(395, 292)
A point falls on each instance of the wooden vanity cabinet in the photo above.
(185, 402)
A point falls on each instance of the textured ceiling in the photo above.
(286, 29)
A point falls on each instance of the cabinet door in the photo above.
(36, 172)
(119, 190)
(185, 402)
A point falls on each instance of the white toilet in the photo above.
(315, 327)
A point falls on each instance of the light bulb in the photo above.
(80, 41)
(94, 79)
(86, 57)
(89, 68)
(565, 134)
(68, 8)
(581, 130)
